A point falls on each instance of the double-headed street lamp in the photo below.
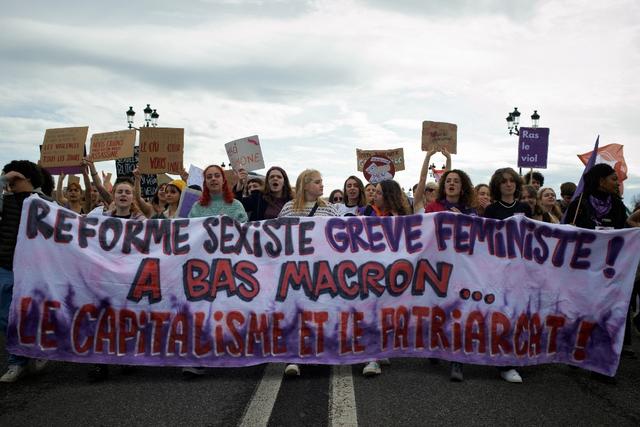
(513, 121)
(150, 117)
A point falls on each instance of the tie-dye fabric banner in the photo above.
(213, 292)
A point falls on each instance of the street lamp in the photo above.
(513, 121)
(150, 117)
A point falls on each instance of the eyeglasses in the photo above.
(337, 199)
(429, 190)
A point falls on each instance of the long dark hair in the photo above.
(394, 198)
(362, 201)
(286, 186)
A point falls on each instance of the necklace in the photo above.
(504, 205)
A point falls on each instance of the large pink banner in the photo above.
(213, 292)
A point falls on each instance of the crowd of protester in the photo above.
(254, 199)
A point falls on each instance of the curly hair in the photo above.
(227, 195)
(28, 169)
(467, 194)
(394, 198)
(498, 178)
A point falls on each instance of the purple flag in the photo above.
(588, 166)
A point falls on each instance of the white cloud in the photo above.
(316, 80)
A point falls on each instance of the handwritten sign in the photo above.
(161, 150)
(439, 135)
(533, 146)
(214, 292)
(378, 168)
(112, 145)
(396, 155)
(125, 167)
(63, 148)
(245, 153)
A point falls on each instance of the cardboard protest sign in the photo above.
(245, 153)
(378, 168)
(63, 149)
(214, 292)
(72, 179)
(125, 167)
(439, 135)
(112, 145)
(396, 155)
(533, 147)
(161, 150)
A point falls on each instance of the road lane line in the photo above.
(264, 397)
(342, 399)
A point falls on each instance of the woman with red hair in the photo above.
(217, 197)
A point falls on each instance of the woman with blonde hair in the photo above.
(308, 198)
(307, 202)
(547, 203)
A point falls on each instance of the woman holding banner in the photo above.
(456, 195)
(307, 202)
(217, 199)
(506, 187)
(124, 207)
(389, 200)
(600, 207)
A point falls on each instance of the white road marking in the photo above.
(342, 398)
(264, 397)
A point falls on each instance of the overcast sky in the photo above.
(318, 79)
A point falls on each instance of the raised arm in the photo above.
(145, 208)
(447, 155)
(59, 196)
(106, 196)
(418, 196)
(88, 206)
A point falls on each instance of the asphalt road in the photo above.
(409, 392)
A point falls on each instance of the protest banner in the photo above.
(161, 150)
(63, 149)
(396, 155)
(533, 147)
(613, 155)
(148, 182)
(112, 145)
(245, 153)
(343, 290)
(439, 135)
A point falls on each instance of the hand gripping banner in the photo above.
(213, 292)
